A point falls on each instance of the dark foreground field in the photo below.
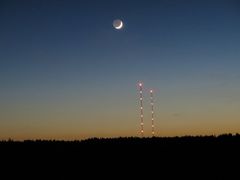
(204, 157)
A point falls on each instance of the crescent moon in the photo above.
(120, 26)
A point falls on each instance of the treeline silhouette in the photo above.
(128, 144)
(223, 138)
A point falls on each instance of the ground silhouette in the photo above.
(207, 157)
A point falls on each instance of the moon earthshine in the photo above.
(118, 24)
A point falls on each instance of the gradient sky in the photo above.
(66, 73)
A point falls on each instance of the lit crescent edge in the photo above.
(120, 26)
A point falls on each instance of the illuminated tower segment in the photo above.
(141, 106)
(152, 111)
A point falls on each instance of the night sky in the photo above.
(66, 73)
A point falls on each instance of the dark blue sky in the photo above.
(64, 59)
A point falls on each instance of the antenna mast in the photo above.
(140, 85)
(152, 111)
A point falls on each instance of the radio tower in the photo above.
(140, 85)
(152, 111)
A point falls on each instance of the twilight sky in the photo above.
(66, 73)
